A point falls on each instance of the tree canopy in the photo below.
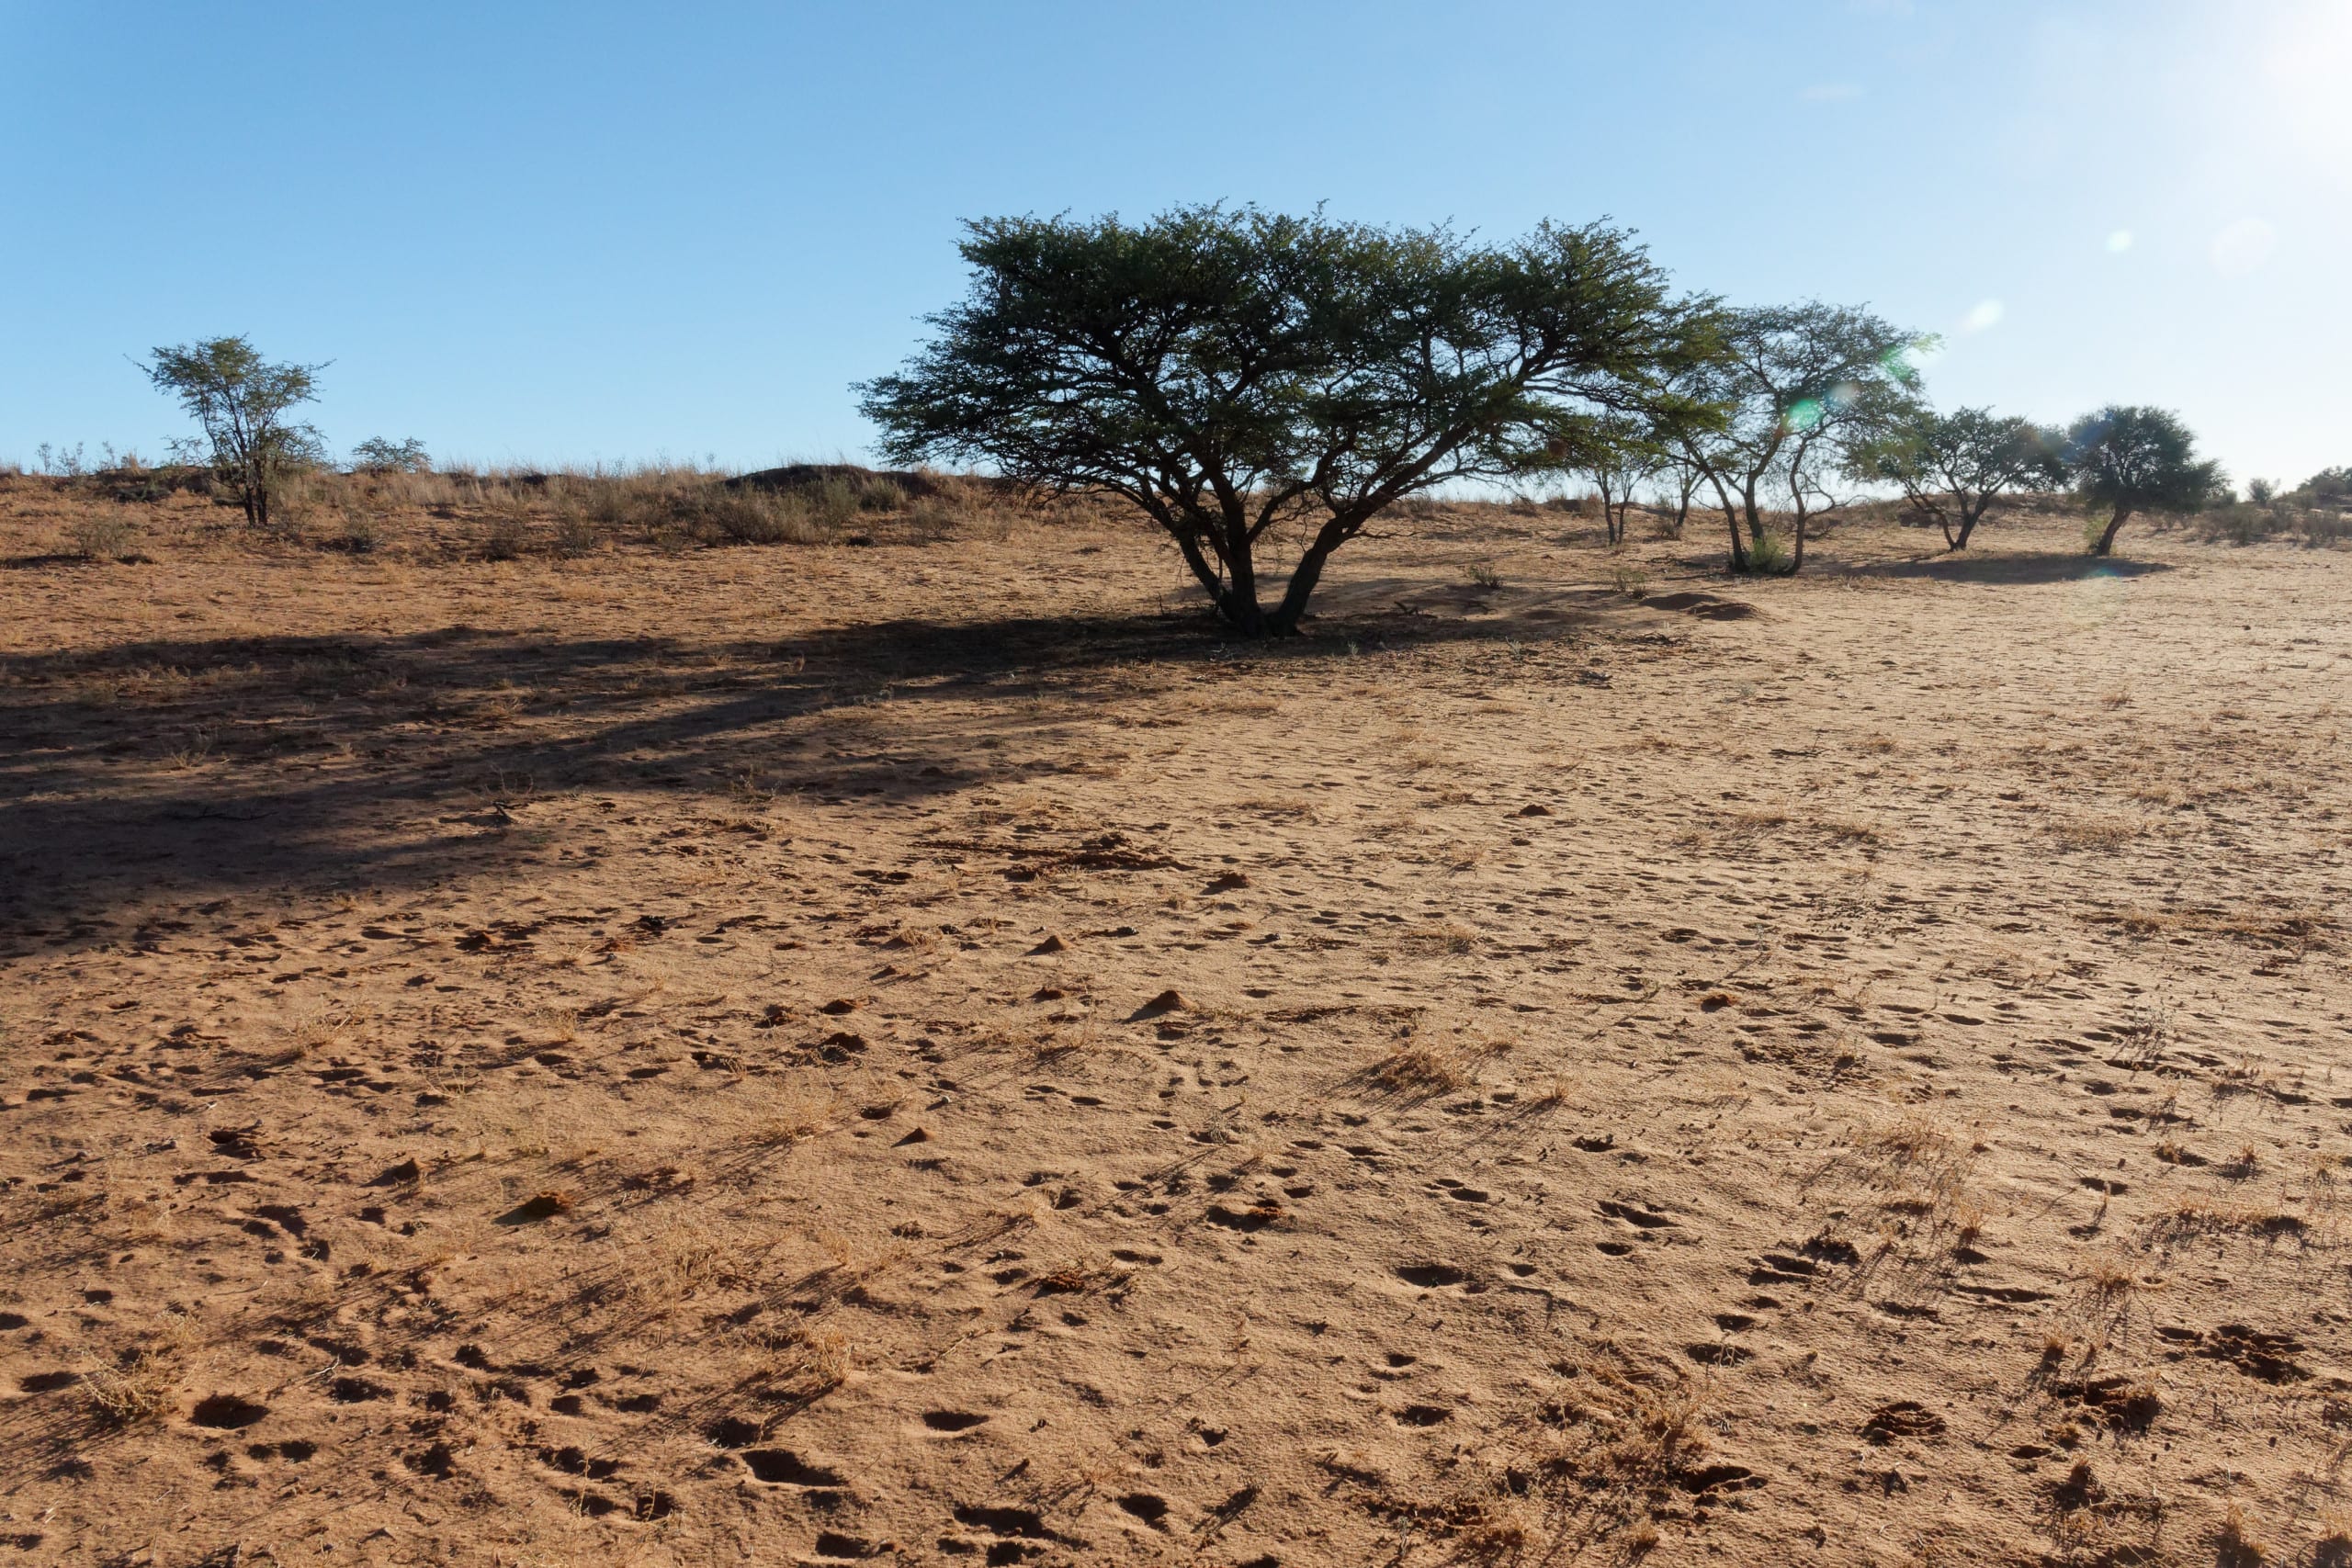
(1250, 380)
(2128, 460)
(1952, 466)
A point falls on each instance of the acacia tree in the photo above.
(241, 401)
(2134, 460)
(1797, 385)
(1625, 454)
(1247, 379)
(1954, 466)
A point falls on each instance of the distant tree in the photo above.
(2262, 492)
(241, 401)
(1954, 466)
(1679, 479)
(378, 456)
(2329, 487)
(2128, 460)
(1797, 384)
(1245, 379)
(1625, 452)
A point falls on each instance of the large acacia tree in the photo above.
(1262, 385)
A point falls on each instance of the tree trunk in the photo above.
(1968, 520)
(1738, 550)
(1241, 586)
(1285, 621)
(2106, 545)
(1796, 558)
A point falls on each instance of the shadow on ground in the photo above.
(2006, 571)
(197, 768)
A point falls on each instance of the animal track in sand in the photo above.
(952, 1421)
(1432, 1276)
(781, 1467)
(1147, 1506)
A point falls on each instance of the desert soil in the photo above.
(927, 1053)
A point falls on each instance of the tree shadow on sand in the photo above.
(208, 767)
(2006, 571)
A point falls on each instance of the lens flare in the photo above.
(2243, 246)
(2118, 242)
(1805, 414)
(1984, 317)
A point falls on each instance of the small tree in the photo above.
(2128, 460)
(241, 401)
(1679, 482)
(378, 456)
(1625, 453)
(1245, 379)
(1954, 466)
(1798, 384)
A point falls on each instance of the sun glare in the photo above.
(2308, 60)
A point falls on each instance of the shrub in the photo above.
(576, 533)
(359, 532)
(107, 534)
(882, 494)
(1767, 557)
(930, 520)
(509, 535)
(752, 517)
(835, 504)
(378, 456)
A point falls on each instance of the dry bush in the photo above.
(137, 1388)
(107, 533)
(1420, 1068)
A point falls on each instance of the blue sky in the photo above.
(556, 234)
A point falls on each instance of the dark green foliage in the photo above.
(1244, 377)
(2127, 461)
(1952, 466)
(241, 401)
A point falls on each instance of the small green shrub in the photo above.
(1767, 557)
(1629, 579)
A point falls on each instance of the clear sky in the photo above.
(565, 232)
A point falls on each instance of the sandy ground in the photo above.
(927, 1055)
